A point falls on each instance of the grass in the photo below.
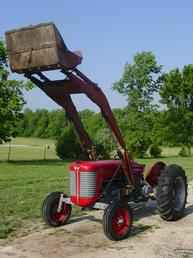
(24, 184)
(28, 149)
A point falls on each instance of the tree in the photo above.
(92, 121)
(177, 94)
(56, 122)
(11, 99)
(41, 123)
(139, 83)
(139, 132)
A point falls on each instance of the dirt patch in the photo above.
(83, 237)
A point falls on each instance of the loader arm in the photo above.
(77, 83)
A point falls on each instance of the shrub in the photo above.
(68, 146)
(139, 148)
(155, 151)
(184, 152)
(104, 143)
(102, 153)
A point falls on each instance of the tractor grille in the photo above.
(87, 184)
(72, 183)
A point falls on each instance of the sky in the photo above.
(108, 33)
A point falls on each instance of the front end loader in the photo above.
(110, 185)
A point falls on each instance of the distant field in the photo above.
(28, 149)
(25, 181)
(38, 149)
(32, 141)
(171, 151)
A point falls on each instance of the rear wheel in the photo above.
(117, 221)
(172, 193)
(51, 216)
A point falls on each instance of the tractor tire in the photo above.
(49, 210)
(172, 193)
(117, 221)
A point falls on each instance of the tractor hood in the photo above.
(95, 165)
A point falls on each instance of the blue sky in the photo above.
(109, 33)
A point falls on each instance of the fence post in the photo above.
(9, 152)
(45, 147)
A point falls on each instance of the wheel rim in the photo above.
(121, 221)
(179, 193)
(61, 216)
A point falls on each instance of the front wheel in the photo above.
(172, 193)
(117, 221)
(51, 216)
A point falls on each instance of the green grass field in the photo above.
(24, 184)
(28, 149)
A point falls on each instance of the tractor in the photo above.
(109, 185)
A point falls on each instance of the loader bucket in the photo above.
(39, 48)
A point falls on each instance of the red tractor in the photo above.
(111, 185)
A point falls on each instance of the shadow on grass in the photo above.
(54, 162)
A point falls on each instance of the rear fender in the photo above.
(152, 174)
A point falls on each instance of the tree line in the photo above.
(159, 111)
